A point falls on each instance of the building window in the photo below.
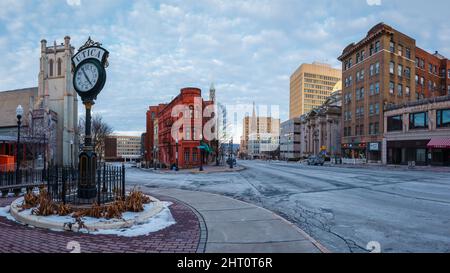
(408, 73)
(448, 73)
(422, 64)
(187, 133)
(392, 47)
(394, 123)
(372, 89)
(186, 155)
(443, 118)
(408, 53)
(407, 91)
(59, 66)
(50, 65)
(363, 55)
(418, 120)
(357, 57)
(194, 155)
(400, 90)
(377, 88)
(372, 70)
(377, 46)
(360, 94)
(417, 62)
(422, 81)
(391, 67)
(430, 68)
(400, 70)
(347, 98)
(400, 50)
(391, 87)
(377, 108)
(373, 128)
(417, 79)
(430, 85)
(371, 110)
(377, 68)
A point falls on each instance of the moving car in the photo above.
(315, 160)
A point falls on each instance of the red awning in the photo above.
(439, 143)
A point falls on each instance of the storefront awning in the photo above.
(439, 143)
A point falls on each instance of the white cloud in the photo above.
(374, 2)
(73, 2)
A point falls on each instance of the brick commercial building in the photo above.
(386, 67)
(418, 132)
(161, 148)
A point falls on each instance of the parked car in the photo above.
(315, 160)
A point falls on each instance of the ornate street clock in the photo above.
(89, 78)
(89, 70)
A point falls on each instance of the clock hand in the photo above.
(85, 75)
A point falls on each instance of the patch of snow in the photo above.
(4, 212)
(158, 222)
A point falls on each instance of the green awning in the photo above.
(206, 147)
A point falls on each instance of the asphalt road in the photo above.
(343, 208)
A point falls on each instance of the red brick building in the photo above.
(432, 74)
(160, 145)
(385, 67)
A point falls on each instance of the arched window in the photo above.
(191, 111)
(50, 65)
(59, 66)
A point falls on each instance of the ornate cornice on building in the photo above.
(373, 33)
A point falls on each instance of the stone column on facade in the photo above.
(384, 151)
(328, 132)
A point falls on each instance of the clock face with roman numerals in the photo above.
(86, 76)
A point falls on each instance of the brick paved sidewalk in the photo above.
(182, 237)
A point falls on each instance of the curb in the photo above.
(241, 168)
(201, 248)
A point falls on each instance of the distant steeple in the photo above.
(212, 92)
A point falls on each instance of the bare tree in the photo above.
(100, 130)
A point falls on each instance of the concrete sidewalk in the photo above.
(206, 170)
(234, 226)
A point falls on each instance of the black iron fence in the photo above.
(16, 180)
(62, 183)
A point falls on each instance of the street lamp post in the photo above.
(230, 154)
(19, 114)
(154, 157)
(176, 154)
(201, 153)
(71, 153)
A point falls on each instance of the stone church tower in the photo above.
(56, 94)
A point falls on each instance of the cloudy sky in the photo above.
(247, 48)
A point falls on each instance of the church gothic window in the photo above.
(50, 64)
(59, 66)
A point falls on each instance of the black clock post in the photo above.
(89, 79)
